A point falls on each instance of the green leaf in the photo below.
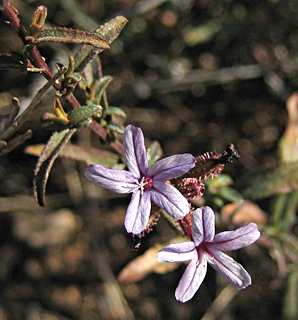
(202, 33)
(154, 152)
(115, 127)
(108, 32)
(264, 183)
(77, 116)
(100, 87)
(230, 194)
(67, 35)
(38, 21)
(88, 155)
(114, 111)
(46, 161)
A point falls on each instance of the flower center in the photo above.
(143, 184)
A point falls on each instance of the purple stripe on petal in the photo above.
(119, 181)
(203, 225)
(169, 199)
(177, 252)
(192, 279)
(239, 238)
(172, 167)
(135, 151)
(138, 212)
(228, 268)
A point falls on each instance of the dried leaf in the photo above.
(46, 161)
(108, 32)
(145, 264)
(87, 155)
(288, 146)
(6, 147)
(14, 110)
(243, 212)
(67, 35)
(13, 60)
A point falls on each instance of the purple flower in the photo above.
(207, 247)
(144, 183)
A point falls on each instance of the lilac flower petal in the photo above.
(119, 181)
(172, 167)
(169, 199)
(192, 279)
(233, 240)
(177, 252)
(135, 151)
(228, 268)
(203, 225)
(138, 212)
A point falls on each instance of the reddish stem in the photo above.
(39, 62)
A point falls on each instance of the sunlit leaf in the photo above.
(67, 35)
(87, 155)
(46, 161)
(77, 116)
(108, 32)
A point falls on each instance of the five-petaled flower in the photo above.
(207, 247)
(146, 184)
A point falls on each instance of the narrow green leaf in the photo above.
(115, 127)
(87, 155)
(154, 152)
(67, 35)
(77, 116)
(101, 86)
(108, 32)
(267, 182)
(230, 194)
(290, 305)
(114, 111)
(38, 21)
(46, 161)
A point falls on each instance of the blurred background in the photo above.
(195, 75)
